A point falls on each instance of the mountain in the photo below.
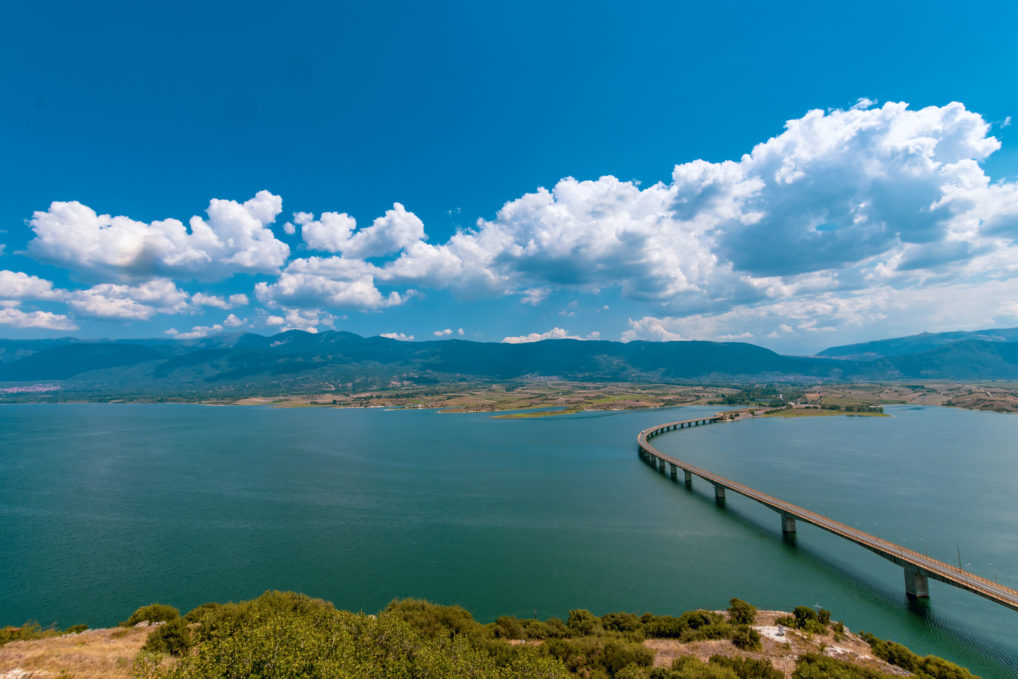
(914, 344)
(300, 362)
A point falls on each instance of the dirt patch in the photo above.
(92, 654)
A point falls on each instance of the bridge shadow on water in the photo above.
(887, 596)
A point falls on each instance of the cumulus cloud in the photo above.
(196, 332)
(335, 232)
(846, 196)
(554, 333)
(129, 302)
(18, 285)
(218, 301)
(235, 237)
(402, 337)
(231, 321)
(308, 320)
(13, 316)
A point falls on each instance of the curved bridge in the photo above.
(918, 567)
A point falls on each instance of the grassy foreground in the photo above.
(283, 634)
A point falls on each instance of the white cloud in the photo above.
(232, 321)
(196, 332)
(218, 301)
(235, 237)
(308, 320)
(17, 285)
(838, 198)
(534, 296)
(554, 333)
(809, 321)
(335, 232)
(442, 333)
(15, 317)
(299, 289)
(402, 337)
(330, 233)
(129, 302)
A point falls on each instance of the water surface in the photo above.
(107, 507)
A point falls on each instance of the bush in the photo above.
(929, 667)
(172, 637)
(152, 613)
(746, 638)
(75, 629)
(748, 668)
(433, 620)
(290, 635)
(582, 622)
(815, 666)
(740, 612)
(620, 622)
(663, 626)
(508, 627)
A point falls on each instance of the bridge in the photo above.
(918, 568)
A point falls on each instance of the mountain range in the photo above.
(231, 365)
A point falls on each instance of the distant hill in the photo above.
(914, 344)
(300, 362)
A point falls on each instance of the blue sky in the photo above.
(794, 175)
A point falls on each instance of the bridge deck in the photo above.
(902, 556)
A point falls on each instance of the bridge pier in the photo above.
(689, 478)
(787, 524)
(661, 465)
(675, 471)
(719, 493)
(916, 584)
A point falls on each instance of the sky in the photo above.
(792, 174)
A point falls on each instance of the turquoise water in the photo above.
(107, 507)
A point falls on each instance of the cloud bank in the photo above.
(829, 224)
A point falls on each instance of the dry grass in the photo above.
(92, 654)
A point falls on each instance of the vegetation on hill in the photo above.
(283, 634)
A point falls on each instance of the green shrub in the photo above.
(746, 638)
(172, 637)
(815, 666)
(929, 667)
(620, 622)
(688, 667)
(589, 656)
(662, 626)
(508, 627)
(288, 635)
(748, 668)
(740, 612)
(75, 629)
(152, 613)
(433, 620)
(582, 622)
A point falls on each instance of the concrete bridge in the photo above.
(918, 568)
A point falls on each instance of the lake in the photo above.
(104, 508)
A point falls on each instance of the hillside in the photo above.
(294, 362)
(916, 344)
(282, 634)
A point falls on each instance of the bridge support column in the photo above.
(916, 584)
(787, 524)
(661, 465)
(689, 478)
(719, 493)
(675, 472)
